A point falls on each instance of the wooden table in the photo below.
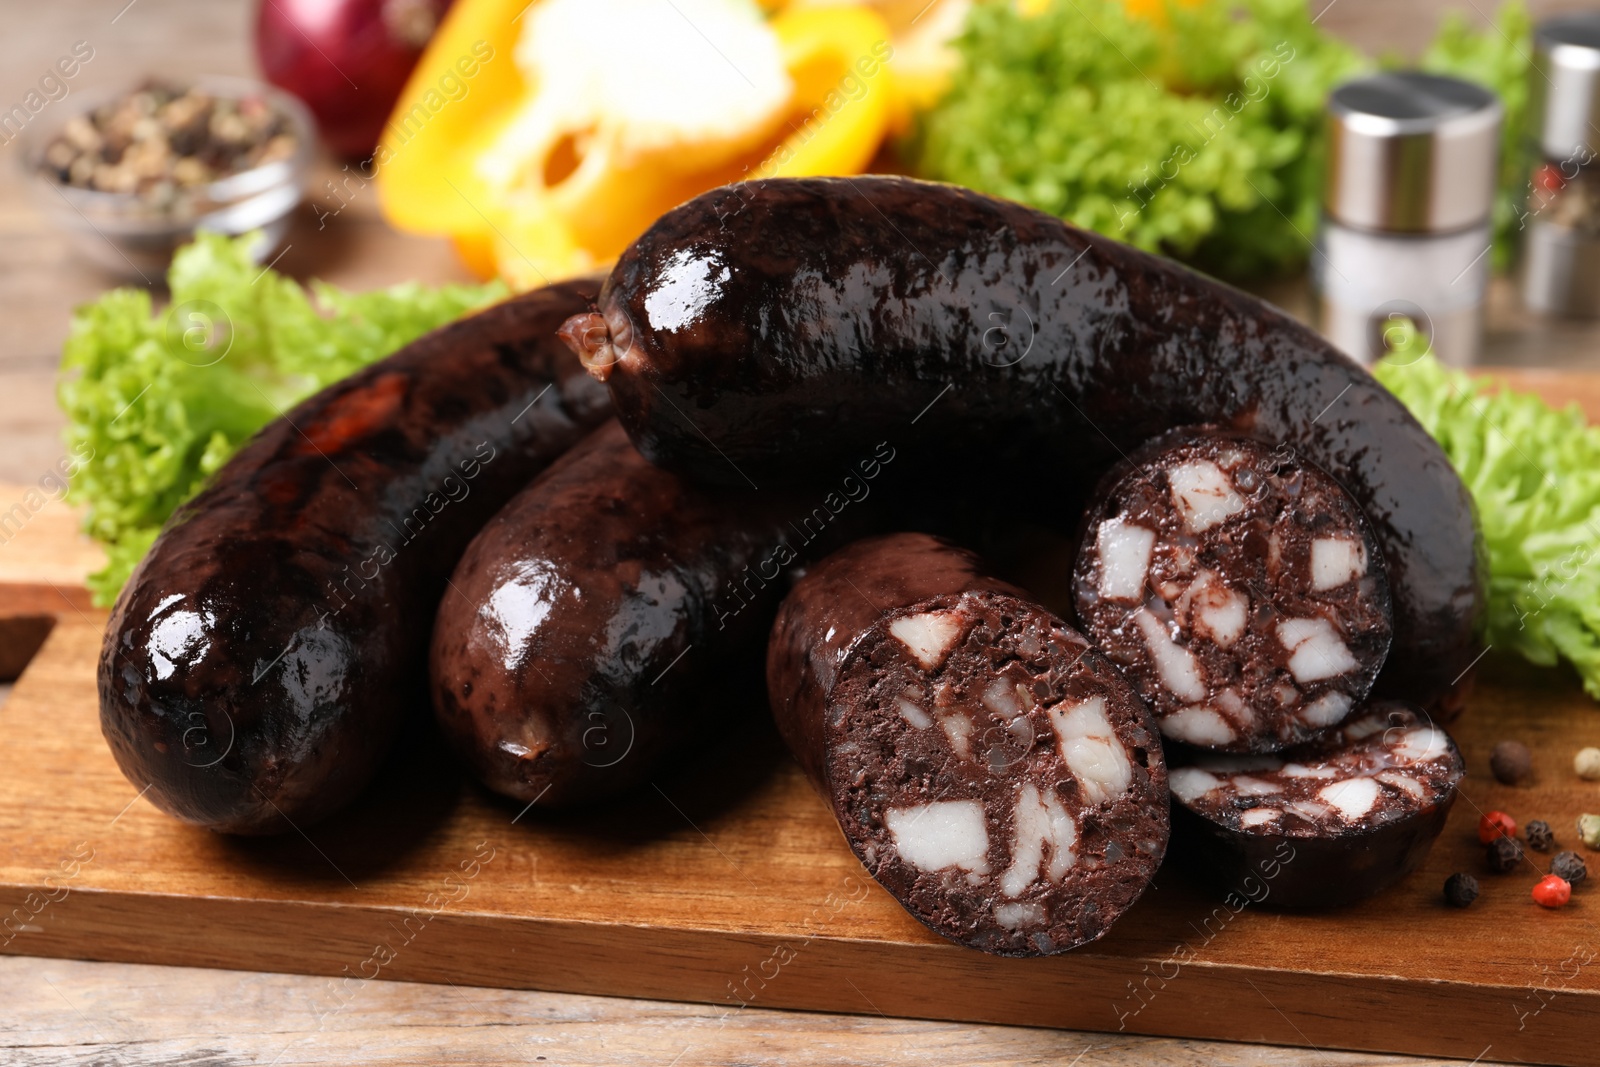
(54, 1011)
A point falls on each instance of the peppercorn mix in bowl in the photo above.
(132, 174)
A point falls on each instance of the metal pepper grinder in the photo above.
(1561, 219)
(1406, 210)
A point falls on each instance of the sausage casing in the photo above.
(765, 328)
(589, 626)
(263, 655)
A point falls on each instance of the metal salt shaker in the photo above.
(1410, 188)
(1561, 218)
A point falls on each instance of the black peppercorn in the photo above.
(1511, 762)
(1504, 854)
(1540, 837)
(1569, 865)
(1460, 890)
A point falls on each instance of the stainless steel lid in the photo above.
(1411, 153)
(1565, 85)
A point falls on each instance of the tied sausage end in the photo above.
(589, 337)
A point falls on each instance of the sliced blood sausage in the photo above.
(261, 658)
(1239, 589)
(588, 624)
(769, 328)
(1323, 825)
(993, 772)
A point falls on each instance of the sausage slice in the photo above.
(993, 772)
(1323, 825)
(1238, 587)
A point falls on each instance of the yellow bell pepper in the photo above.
(542, 181)
(1155, 11)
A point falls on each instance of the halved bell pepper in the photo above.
(498, 169)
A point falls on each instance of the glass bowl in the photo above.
(132, 237)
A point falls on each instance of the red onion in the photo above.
(347, 59)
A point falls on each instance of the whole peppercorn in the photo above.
(1552, 892)
(1511, 762)
(1497, 824)
(1589, 830)
(1570, 866)
(1540, 837)
(1587, 763)
(1460, 890)
(1504, 854)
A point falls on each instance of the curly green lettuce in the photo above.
(1123, 126)
(1534, 473)
(1198, 134)
(156, 401)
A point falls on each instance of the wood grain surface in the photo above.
(1534, 987)
(59, 1012)
(726, 882)
(67, 1013)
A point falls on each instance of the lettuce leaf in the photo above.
(1534, 473)
(156, 401)
(1192, 128)
(1127, 124)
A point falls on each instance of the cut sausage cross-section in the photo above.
(995, 774)
(1238, 586)
(1322, 824)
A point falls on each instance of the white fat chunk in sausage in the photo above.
(940, 834)
(1091, 750)
(1402, 783)
(1335, 561)
(1124, 551)
(1326, 710)
(1176, 665)
(1198, 725)
(1203, 494)
(1039, 823)
(1364, 727)
(1246, 786)
(1253, 817)
(1001, 698)
(1191, 783)
(1420, 744)
(1215, 610)
(912, 714)
(1233, 706)
(1309, 809)
(1013, 916)
(1021, 728)
(1351, 798)
(958, 728)
(929, 637)
(1307, 770)
(1316, 651)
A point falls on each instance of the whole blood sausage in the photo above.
(1323, 825)
(260, 659)
(1238, 588)
(588, 624)
(993, 772)
(765, 328)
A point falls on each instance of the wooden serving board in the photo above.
(726, 881)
